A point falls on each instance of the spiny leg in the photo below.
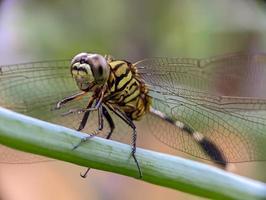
(101, 110)
(128, 121)
(98, 103)
(86, 114)
(89, 107)
(110, 122)
(100, 118)
(111, 126)
(207, 146)
(76, 97)
(84, 122)
(82, 125)
(70, 98)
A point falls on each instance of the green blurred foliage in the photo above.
(133, 29)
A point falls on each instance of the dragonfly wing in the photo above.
(233, 74)
(34, 89)
(27, 87)
(186, 91)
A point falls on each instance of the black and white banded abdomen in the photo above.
(207, 146)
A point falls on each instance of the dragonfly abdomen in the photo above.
(210, 148)
(127, 90)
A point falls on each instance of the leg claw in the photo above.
(72, 111)
(83, 140)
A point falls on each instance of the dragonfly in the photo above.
(183, 96)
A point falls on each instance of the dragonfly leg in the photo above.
(86, 114)
(87, 109)
(206, 145)
(100, 118)
(127, 120)
(100, 100)
(112, 127)
(85, 119)
(70, 98)
(84, 122)
(110, 122)
(75, 110)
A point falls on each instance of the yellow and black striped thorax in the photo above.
(127, 90)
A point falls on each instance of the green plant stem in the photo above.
(39, 137)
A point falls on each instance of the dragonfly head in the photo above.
(89, 70)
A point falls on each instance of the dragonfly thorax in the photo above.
(89, 71)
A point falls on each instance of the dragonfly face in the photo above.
(89, 71)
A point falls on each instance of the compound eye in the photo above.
(99, 71)
(100, 68)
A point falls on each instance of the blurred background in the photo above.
(133, 30)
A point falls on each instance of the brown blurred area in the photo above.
(56, 29)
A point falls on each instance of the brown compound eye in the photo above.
(100, 68)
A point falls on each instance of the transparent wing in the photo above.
(32, 89)
(191, 91)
